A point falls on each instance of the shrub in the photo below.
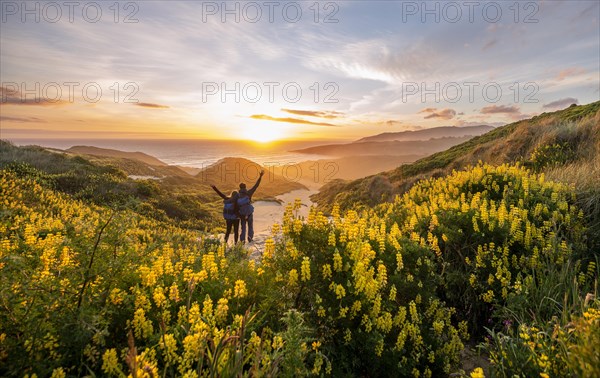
(369, 293)
(553, 349)
(489, 227)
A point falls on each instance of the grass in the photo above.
(576, 126)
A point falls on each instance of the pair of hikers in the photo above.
(238, 207)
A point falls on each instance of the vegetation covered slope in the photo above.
(576, 129)
(495, 255)
(88, 289)
(425, 134)
(97, 151)
(165, 193)
(395, 148)
(104, 181)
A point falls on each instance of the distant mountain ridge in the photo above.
(402, 143)
(391, 148)
(426, 134)
(107, 152)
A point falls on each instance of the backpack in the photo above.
(229, 211)
(244, 205)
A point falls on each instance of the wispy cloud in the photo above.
(391, 122)
(505, 109)
(315, 113)
(21, 119)
(513, 112)
(433, 113)
(489, 45)
(290, 120)
(152, 106)
(562, 103)
(567, 72)
(14, 97)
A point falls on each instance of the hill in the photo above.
(106, 152)
(163, 192)
(229, 172)
(316, 173)
(93, 290)
(568, 138)
(393, 148)
(426, 134)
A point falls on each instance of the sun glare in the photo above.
(263, 133)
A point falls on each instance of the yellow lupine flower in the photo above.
(327, 271)
(305, 269)
(240, 290)
(293, 277)
(110, 362)
(58, 373)
(477, 373)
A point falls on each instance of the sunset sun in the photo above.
(263, 133)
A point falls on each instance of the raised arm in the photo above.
(251, 191)
(219, 192)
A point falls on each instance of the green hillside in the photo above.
(576, 130)
(404, 287)
(162, 192)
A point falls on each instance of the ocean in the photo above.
(194, 153)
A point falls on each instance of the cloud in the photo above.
(4, 91)
(14, 97)
(513, 111)
(391, 122)
(489, 45)
(441, 114)
(571, 71)
(315, 113)
(560, 104)
(21, 119)
(152, 106)
(494, 109)
(290, 120)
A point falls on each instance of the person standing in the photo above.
(246, 210)
(230, 213)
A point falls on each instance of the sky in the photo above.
(271, 70)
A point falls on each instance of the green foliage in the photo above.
(92, 290)
(102, 182)
(551, 155)
(552, 349)
(369, 293)
(577, 128)
(118, 289)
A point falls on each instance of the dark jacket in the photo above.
(250, 192)
(228, 201)
(244, 201)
